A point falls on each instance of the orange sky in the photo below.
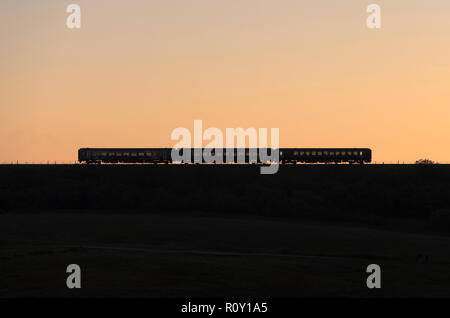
(138, 69)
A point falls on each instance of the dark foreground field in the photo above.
(224, 231)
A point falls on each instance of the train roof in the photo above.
(283, 149)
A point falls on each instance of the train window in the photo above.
(325, 153)
(338, 153)
(126, 154)
(295, 153)
(343, 153)
(360, 153)
(349, 153)
(104, 154)
(319, 153)
(331, 153)
(308, 153)
(302, 153)
(313, 153)
(281, 153)
(141, 154)
(133, 154)
(149, 154)
(355, 153)
(111, 154)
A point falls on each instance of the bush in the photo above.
(425, 162)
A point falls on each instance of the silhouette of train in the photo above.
(286, 155)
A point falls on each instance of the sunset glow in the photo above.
(136, 70)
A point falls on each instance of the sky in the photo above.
(138, 69)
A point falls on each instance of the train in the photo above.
(250, 155)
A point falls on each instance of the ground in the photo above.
(155, 231)
(128, 254)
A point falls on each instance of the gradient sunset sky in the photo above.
(138, 69)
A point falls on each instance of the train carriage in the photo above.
(238, 155)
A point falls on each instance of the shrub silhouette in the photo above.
(425, 162)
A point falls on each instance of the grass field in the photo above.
(371, 193)
(315, 260)
(155, 231)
